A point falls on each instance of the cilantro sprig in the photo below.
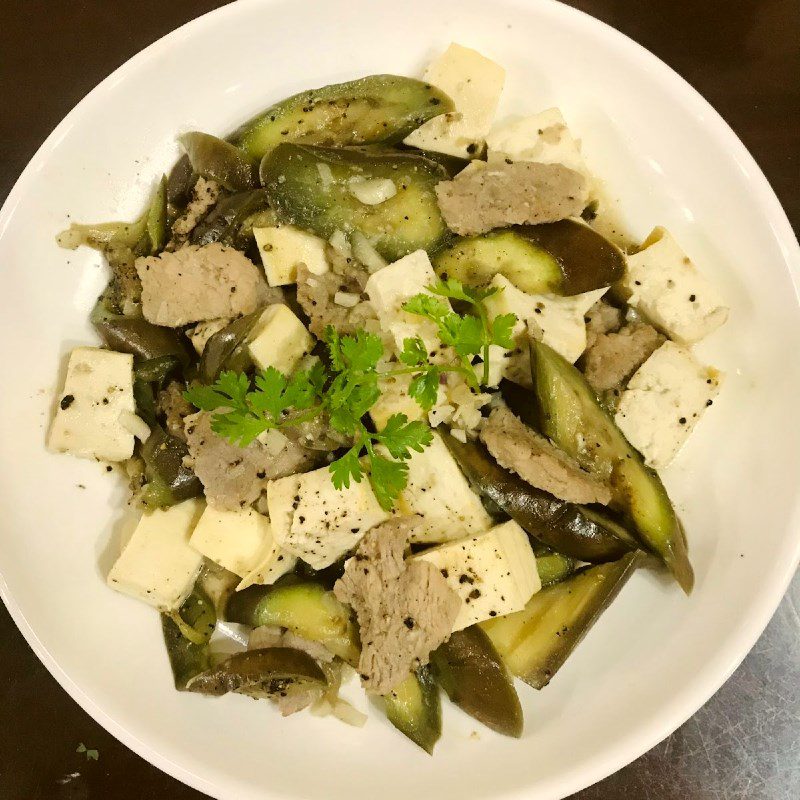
(345, 393)
(469, 335)
(349, 387)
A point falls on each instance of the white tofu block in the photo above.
(474, 83)
(158, 565)
(493, 573)
(557, 321)
(285, 247)
(390, 287)
(275, 562)
(663, 402)
(279, 339)
(203, 331)
(544, 138)
(440, 496)
(667, 288)
(98, 390)
(317, 522)
(232, 539)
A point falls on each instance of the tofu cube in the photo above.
(203, 331)
(279, 339)
(474, 83)
(284, 247)
(390, 287)
(96, 400)
(240, 541)
(557, 321)
(438, 493)
(158, 565)
(317, 522)
(544, 138)
(663, 402)
(493, 573)
(667, 288)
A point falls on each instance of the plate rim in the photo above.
(632, 745)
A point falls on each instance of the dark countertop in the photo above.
(744, 57)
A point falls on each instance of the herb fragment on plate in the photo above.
(469, 335)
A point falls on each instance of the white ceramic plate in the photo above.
(656, 656)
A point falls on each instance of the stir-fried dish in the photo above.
(390, 390)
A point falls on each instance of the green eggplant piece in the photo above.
(312, 187)
(180, 182)
(156, 370)
(554, 567)
(226, 222)
(306, 609)
(475, 678)
(157, 218)
(272, 672)
(227, 349)
(535, 642)
(415, 709)
(137, 336)
(570, 414)
(169, 481)
(189, 656)
(564, 258)
(219, 160)
(378, 108)
(568, 528)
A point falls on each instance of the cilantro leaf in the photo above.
(271, 385)
(471, 336)
(388, 478)
(502, 327)
(424, 388)
(455, 290)
(346, 468)
(361, 351)
(424, 305)
(400, 436)
(414, 352)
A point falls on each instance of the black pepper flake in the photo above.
(692, 298)
(465, 579)
(66, 401)
(409, 623)
(445, 573)
(709, 402)
(475, 594)
(682, 420)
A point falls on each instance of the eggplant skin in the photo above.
(374, 109)
(408, 220)
(415, 709)
(473, 675)
(535, 642)
(570, 414)
(270, 672)
(565, 527)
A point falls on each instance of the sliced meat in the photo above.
(534, 458)
(317, 297)
(601, 318)
(405, 609)
(204, 196)
(614, 357)
(234, 477)
(487, 196)
(175, 408)
(272, 636)
(199, 283)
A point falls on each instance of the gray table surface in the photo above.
(744, 56)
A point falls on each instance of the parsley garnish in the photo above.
(346, 390)
(345, 393)
(91, 755)
(469, 335)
